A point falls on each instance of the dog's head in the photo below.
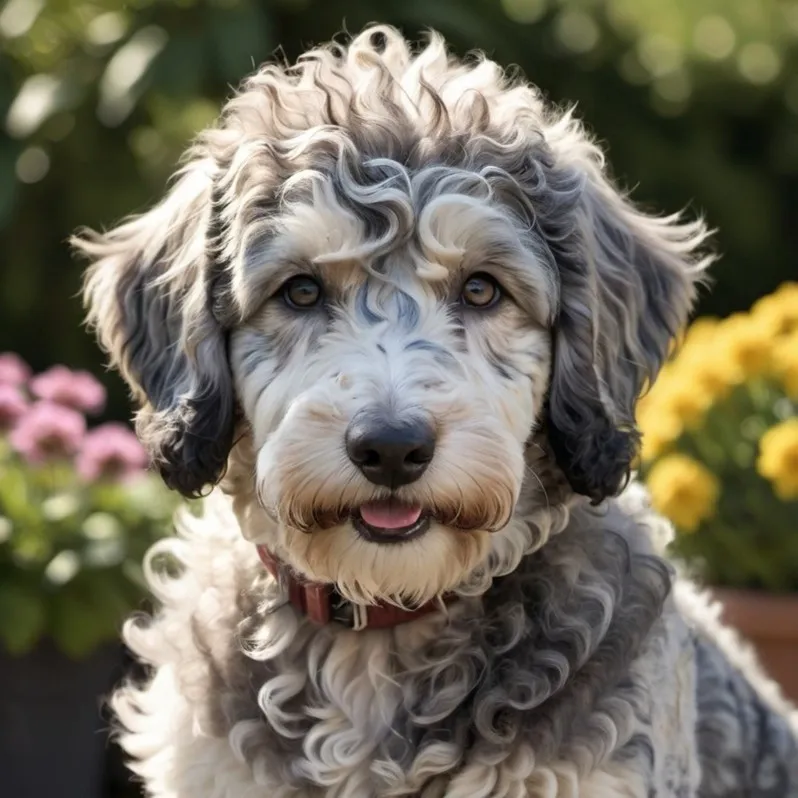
(388, 272)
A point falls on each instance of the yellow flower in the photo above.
(778, 458)
(778, 311)
(713, 378)
(712, 375)
(745, 344)
(683, 490)
(682, 397)
(785, 359)
(702, 331)
(660, 429)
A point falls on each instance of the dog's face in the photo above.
(388, 273)
(391, 390)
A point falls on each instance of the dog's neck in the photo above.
(322, 604)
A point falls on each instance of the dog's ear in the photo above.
(628, 281)
(148, 294)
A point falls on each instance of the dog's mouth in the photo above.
(390, 521)
(395, 520)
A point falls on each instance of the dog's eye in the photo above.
(480, 291)
(301, 292)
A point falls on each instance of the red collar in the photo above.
(322, 603)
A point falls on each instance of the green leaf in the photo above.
(15, 498)
(22, 617)
(76, 624)
(89, 611)
(60, 506)
(31, 545)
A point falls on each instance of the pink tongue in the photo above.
(389, 514)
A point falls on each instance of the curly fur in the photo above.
(568, 666)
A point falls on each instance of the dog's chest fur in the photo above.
(574, 676)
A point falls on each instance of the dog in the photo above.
(395, 313)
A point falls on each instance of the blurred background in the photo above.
(696, 102)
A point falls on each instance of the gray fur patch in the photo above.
(529, 668)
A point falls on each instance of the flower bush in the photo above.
(720, 445)
(78, 509)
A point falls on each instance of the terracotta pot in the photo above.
(770, 623)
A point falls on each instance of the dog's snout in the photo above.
(390, 453)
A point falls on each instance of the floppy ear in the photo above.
(628, 281)
(148, 294)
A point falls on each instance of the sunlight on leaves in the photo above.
(39, 97)
(125, 70)
(18, 16)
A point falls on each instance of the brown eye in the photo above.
(301, 292)
(480, 291)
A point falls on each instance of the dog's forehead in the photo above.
(427, 230)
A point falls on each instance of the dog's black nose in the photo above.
(390, 453)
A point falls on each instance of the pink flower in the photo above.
(111, 451)
(76, 389)
(13, 369)
(48, 431)
(12, 406)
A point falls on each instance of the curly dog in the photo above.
(393, 308)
